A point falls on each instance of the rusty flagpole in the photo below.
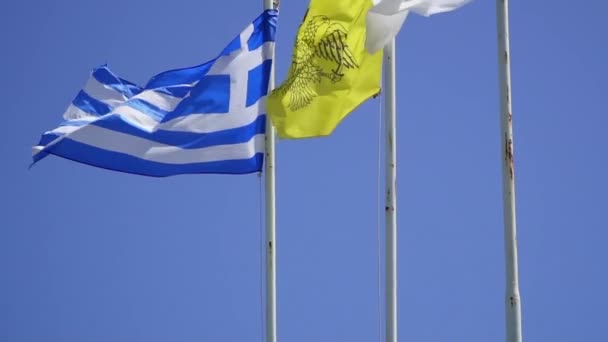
(270, 243)
(512, 300)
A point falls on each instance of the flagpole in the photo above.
(270, 243)
(512, 302)
(391, 193)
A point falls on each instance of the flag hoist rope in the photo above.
(270, 244)
(262, 247)
(391, 194)
(378, 232)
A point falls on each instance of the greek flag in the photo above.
(204, 119)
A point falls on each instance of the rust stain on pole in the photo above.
(512, 301)
(509, 154)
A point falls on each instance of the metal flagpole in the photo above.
(513, 304)
(270, 244)
(391, 194)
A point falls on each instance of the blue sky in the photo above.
(92, 255)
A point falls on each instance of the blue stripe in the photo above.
(103, 75)
(210, 95)
(177, 91)
(77, 123)
(51, 136)
(48, 138)
(146, 108)
(264, 29)
(90, 105)
(94, 156)
(257, 82)
(179, 76)
(187, 140)
(234, 45)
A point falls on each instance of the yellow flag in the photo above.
(331, 72)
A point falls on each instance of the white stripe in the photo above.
(163, 101)
(66, 128)
(63, 129)
(199, 123)
(36, 150)
(136, 117)
(103, 93)
(195, 123)
(75, 113)
(207, 123)
(156, 152)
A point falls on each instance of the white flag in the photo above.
(385, 19)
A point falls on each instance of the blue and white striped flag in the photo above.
(205, 119)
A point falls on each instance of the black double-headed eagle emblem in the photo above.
(320, 52)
